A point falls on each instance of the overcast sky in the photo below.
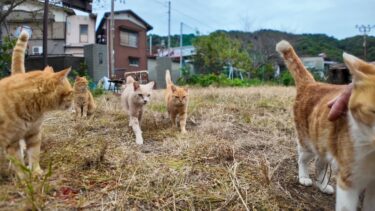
(332, 17)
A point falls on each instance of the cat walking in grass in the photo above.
(133, 99)
(84, 102)
(177, 102)
(347, 143)
(24, 99)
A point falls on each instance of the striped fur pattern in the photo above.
(347, 143)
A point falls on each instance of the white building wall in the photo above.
(73, 44)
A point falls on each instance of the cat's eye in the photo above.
(148, 95)
(140, 95)
(372, 111)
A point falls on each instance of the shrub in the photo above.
(287, 79)
(97, 91)
(220, 81)
(6, 56)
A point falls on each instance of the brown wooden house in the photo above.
(130, 42)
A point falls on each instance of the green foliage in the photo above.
(217, 50)
(265, 72)
(187, 39)
(6, 56)
(354, 45)
(35, 188)
(286, 79)
(83, 71)
(220, 81)
(314, 44)
(97, 91)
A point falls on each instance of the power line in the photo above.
(196, 7)
(193, 18)
(165, 4)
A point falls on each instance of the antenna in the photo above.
(365, 30)
(169, 25)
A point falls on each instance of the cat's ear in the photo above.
(77, 77)
(136, 85)
(48, 69)
(354, 63)
(63, 74)
(173, 88)
(150, 85)
(186, 89)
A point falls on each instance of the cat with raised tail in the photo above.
(348, 143)
(133, 99)
(24, 99)
(177, 102)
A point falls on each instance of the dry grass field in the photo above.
(239, 154)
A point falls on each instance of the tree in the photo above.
(11, 5)
(218, 50)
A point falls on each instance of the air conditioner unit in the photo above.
(37, 50)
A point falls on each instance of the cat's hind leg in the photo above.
(304, 157)
(323, 174)
(13, 153)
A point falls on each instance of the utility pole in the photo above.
(181, 34)
(169, 25)
(45, 33)
(365, 30)
(112, 31)
(150, 45)
(1, 25)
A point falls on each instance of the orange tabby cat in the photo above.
(177, 102)
(347, 143)
(83, 99)
(24, 98)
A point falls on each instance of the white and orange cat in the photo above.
(177, 102)
(84, 102)
(24, 99)
(347, 143)
(133, 99)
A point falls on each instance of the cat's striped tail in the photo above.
(18, 57)
(300, 74)
(168, 79)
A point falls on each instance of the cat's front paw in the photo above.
(305, 181)
(326, 189)
(183, 131)
(38, 172)
(139, 140)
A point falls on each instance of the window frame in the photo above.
(80, 33)
(128, 37)
(130, 58)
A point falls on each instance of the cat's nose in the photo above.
(145, 101)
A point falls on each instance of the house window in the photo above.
(83, 33)
(100, 58)
(133, 61)
(129, 39)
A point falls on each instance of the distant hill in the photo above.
(263, 43)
